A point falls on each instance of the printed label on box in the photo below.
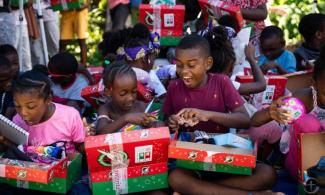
(268, 94)
(143, 154)
(169, 20)
(22, 184)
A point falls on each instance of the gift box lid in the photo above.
(311, 147)
(210, 153)
(93, 94)
(299, 80)
(139, 147)
(167, 20)
(131, 172)
(96, 72)
(30, 171)
(218, 8)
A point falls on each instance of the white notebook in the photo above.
(13, 132)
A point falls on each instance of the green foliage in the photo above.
(294, 9)
(96, 23)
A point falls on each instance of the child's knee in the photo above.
(266, 176)
(176, 178)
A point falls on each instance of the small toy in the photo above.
(46, 151)
(295, 107)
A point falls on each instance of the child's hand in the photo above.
(173, 123)
(277, 113)
(194, 115)
(143, 119)
(268, 66)
(250, 52)
(89, 128)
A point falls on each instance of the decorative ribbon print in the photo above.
(64, 4)
(119, 163)
(2, 170)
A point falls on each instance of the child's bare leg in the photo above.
(185, 182)
(263, 178)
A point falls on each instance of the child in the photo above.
(140, 54)
(74, 22)
(6, 99)
(11, 54)
(123, 107)
(211, 100)
(275, 58)
(46, 122)
(313, 99)
(63, 68)
(312, 28)
(224, 60)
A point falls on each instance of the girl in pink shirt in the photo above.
(46, 122)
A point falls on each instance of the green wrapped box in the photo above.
(188, 164)
(62, 5)
(138, 184)
(58, 184)
(15, 3)
(169, 40)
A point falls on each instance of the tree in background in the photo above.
(286, 14)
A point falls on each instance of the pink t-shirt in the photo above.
(218, 95)
(64, 125)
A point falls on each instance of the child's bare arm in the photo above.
(106, 125)
(257, 14)
(273, 112)
(237, 119)
(259, 83)
(273, 65)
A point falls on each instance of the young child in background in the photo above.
(123, 107)
(213, 102)
(11, 54)
(140, 54)
(224, 59)
(6, 78)
(46, 122)
(63, 68)
(255, 12)
(314, 121)
(275, 58)
(312, 28)
(75, 22)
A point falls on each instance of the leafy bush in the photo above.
(294, 11)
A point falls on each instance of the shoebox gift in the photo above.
(119, 162)
(167, 20)
(275, 88)
(62, 5)
(130, 179)
(214, 9)
(140, 147)
(212, 157)
(96, 72)
(93, 94)
(57, 178)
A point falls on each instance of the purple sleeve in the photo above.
(168, 106)
(231, 96)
